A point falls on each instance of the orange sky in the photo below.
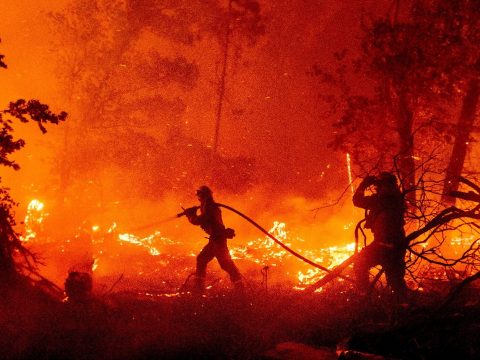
(272, 111)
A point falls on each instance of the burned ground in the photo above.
(223, 325)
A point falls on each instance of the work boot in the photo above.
(198, 286)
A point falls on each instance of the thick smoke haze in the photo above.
(273, 161)
(272, 111)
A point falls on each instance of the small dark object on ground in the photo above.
(78, 286)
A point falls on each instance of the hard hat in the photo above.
(388, 178)
(204, 190)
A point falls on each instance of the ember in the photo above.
(33, 220)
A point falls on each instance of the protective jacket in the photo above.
(210, 220)
(384, 216)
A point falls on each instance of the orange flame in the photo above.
(33, 220)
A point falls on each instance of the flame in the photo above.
(266, 252)
(102, 244)
(33, 220)
(328, 257)
(261, 251)
(462, 241)
(95, 264)
(146, 242)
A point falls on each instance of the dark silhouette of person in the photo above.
(210, 220)
(385, 210)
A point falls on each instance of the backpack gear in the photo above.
(229, 233)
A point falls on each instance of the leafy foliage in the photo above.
(414, 71)
(25, 111)
(10, 244)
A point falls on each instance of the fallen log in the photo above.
(333, 274)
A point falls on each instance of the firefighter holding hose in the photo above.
(210, 220)
(385, 210)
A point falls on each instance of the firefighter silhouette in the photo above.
(210, 220)
(385, 210)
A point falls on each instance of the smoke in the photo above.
(138, 139)
(152, 141)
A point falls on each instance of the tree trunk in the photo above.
(406, 162)
(7, 264)
(223, 77)
(459, 151)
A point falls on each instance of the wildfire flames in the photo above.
(162, 255)
(33, 220)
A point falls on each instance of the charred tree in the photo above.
(223, 78)
(459, 151)
(406, 163)
(246, 14)
(8, 238)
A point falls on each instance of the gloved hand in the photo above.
(369, 180)
(191, 211)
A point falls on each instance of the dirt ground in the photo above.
(229, 325)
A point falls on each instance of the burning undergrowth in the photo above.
(160, 255)
(138, 267)
(125, 252)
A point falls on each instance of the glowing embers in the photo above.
(33, 220)
(146, 242)
(264, 251)
(150, 242)
(463, 241)
(328, 257)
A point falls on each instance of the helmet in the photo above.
(387, 178)
(204, 190)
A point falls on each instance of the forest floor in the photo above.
(228, 325)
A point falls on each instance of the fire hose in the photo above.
(281, 244)
(291, 251)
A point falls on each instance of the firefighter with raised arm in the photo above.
(385, 210)
(210, 220)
